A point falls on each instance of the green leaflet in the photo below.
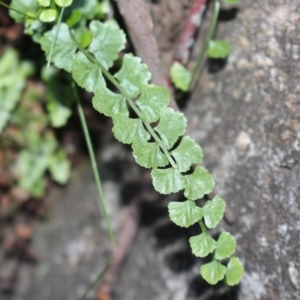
(187, 153)
(213, 211)
(225, 246)
(133, 75)
(180, 76)
(235, 271)
(87, 74)
(87, 8)
(213, 272)
(148, 155)
(28, 7)
(74, 18)
(153, 100)
(13, 79)
(59, 102)
(126, 130)
(167, 181)
(109, 103)
(108, 41)
(44, 3)
(33, 164)
(63, 2)
(60, 167)
(64, 48)
(218, 49)
(199, 183)
(48, 15)
(202, 244)
(170, 127)
(184, 214)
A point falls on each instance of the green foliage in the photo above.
(213, 272)
(63, 2)
(225, 246)
(234, 272)
(64, 49)
(60, 167)
(187, 153)
(27, 7)
(12, 81)
(108, 40)
(199, 183)
(213, 211)
(180, 76)
(155, 132)
(39, 147)
(184, 214)
(218, 49)
(48, 15)
(133, 75)
(202, 244)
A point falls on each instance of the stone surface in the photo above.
(246, 118)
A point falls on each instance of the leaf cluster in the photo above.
(156, 134)
(141, 118)
(23, 122)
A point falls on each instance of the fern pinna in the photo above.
(156, 134)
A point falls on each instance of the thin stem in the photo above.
(203, 228)
(101, 202)
(211, 32)
(130, 101)
(56, 35)
(93, 284)
(16, 10)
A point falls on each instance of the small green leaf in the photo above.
(28, 7)
(187, 153)
(184, 214)
(74, 18)
(213, 272)
(44, 3)
(231, 1)
(199, 183)
(59, 102)
(86, 74)
(88, 8)
(148, 155)
(225, 245)
(62, 3)
(109, 103)
(167, 181)
(48, 15)
(12, 82)
(153, 100)
(235, 271)
(202, 244)
(60, 167)
(126, 130)
(133, 75)
(170, 127)
(218, 49)
(108, 41)
(64, 48)
(213, 211)
(180, 76)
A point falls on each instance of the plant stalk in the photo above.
(210, 34)
(101, 202)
